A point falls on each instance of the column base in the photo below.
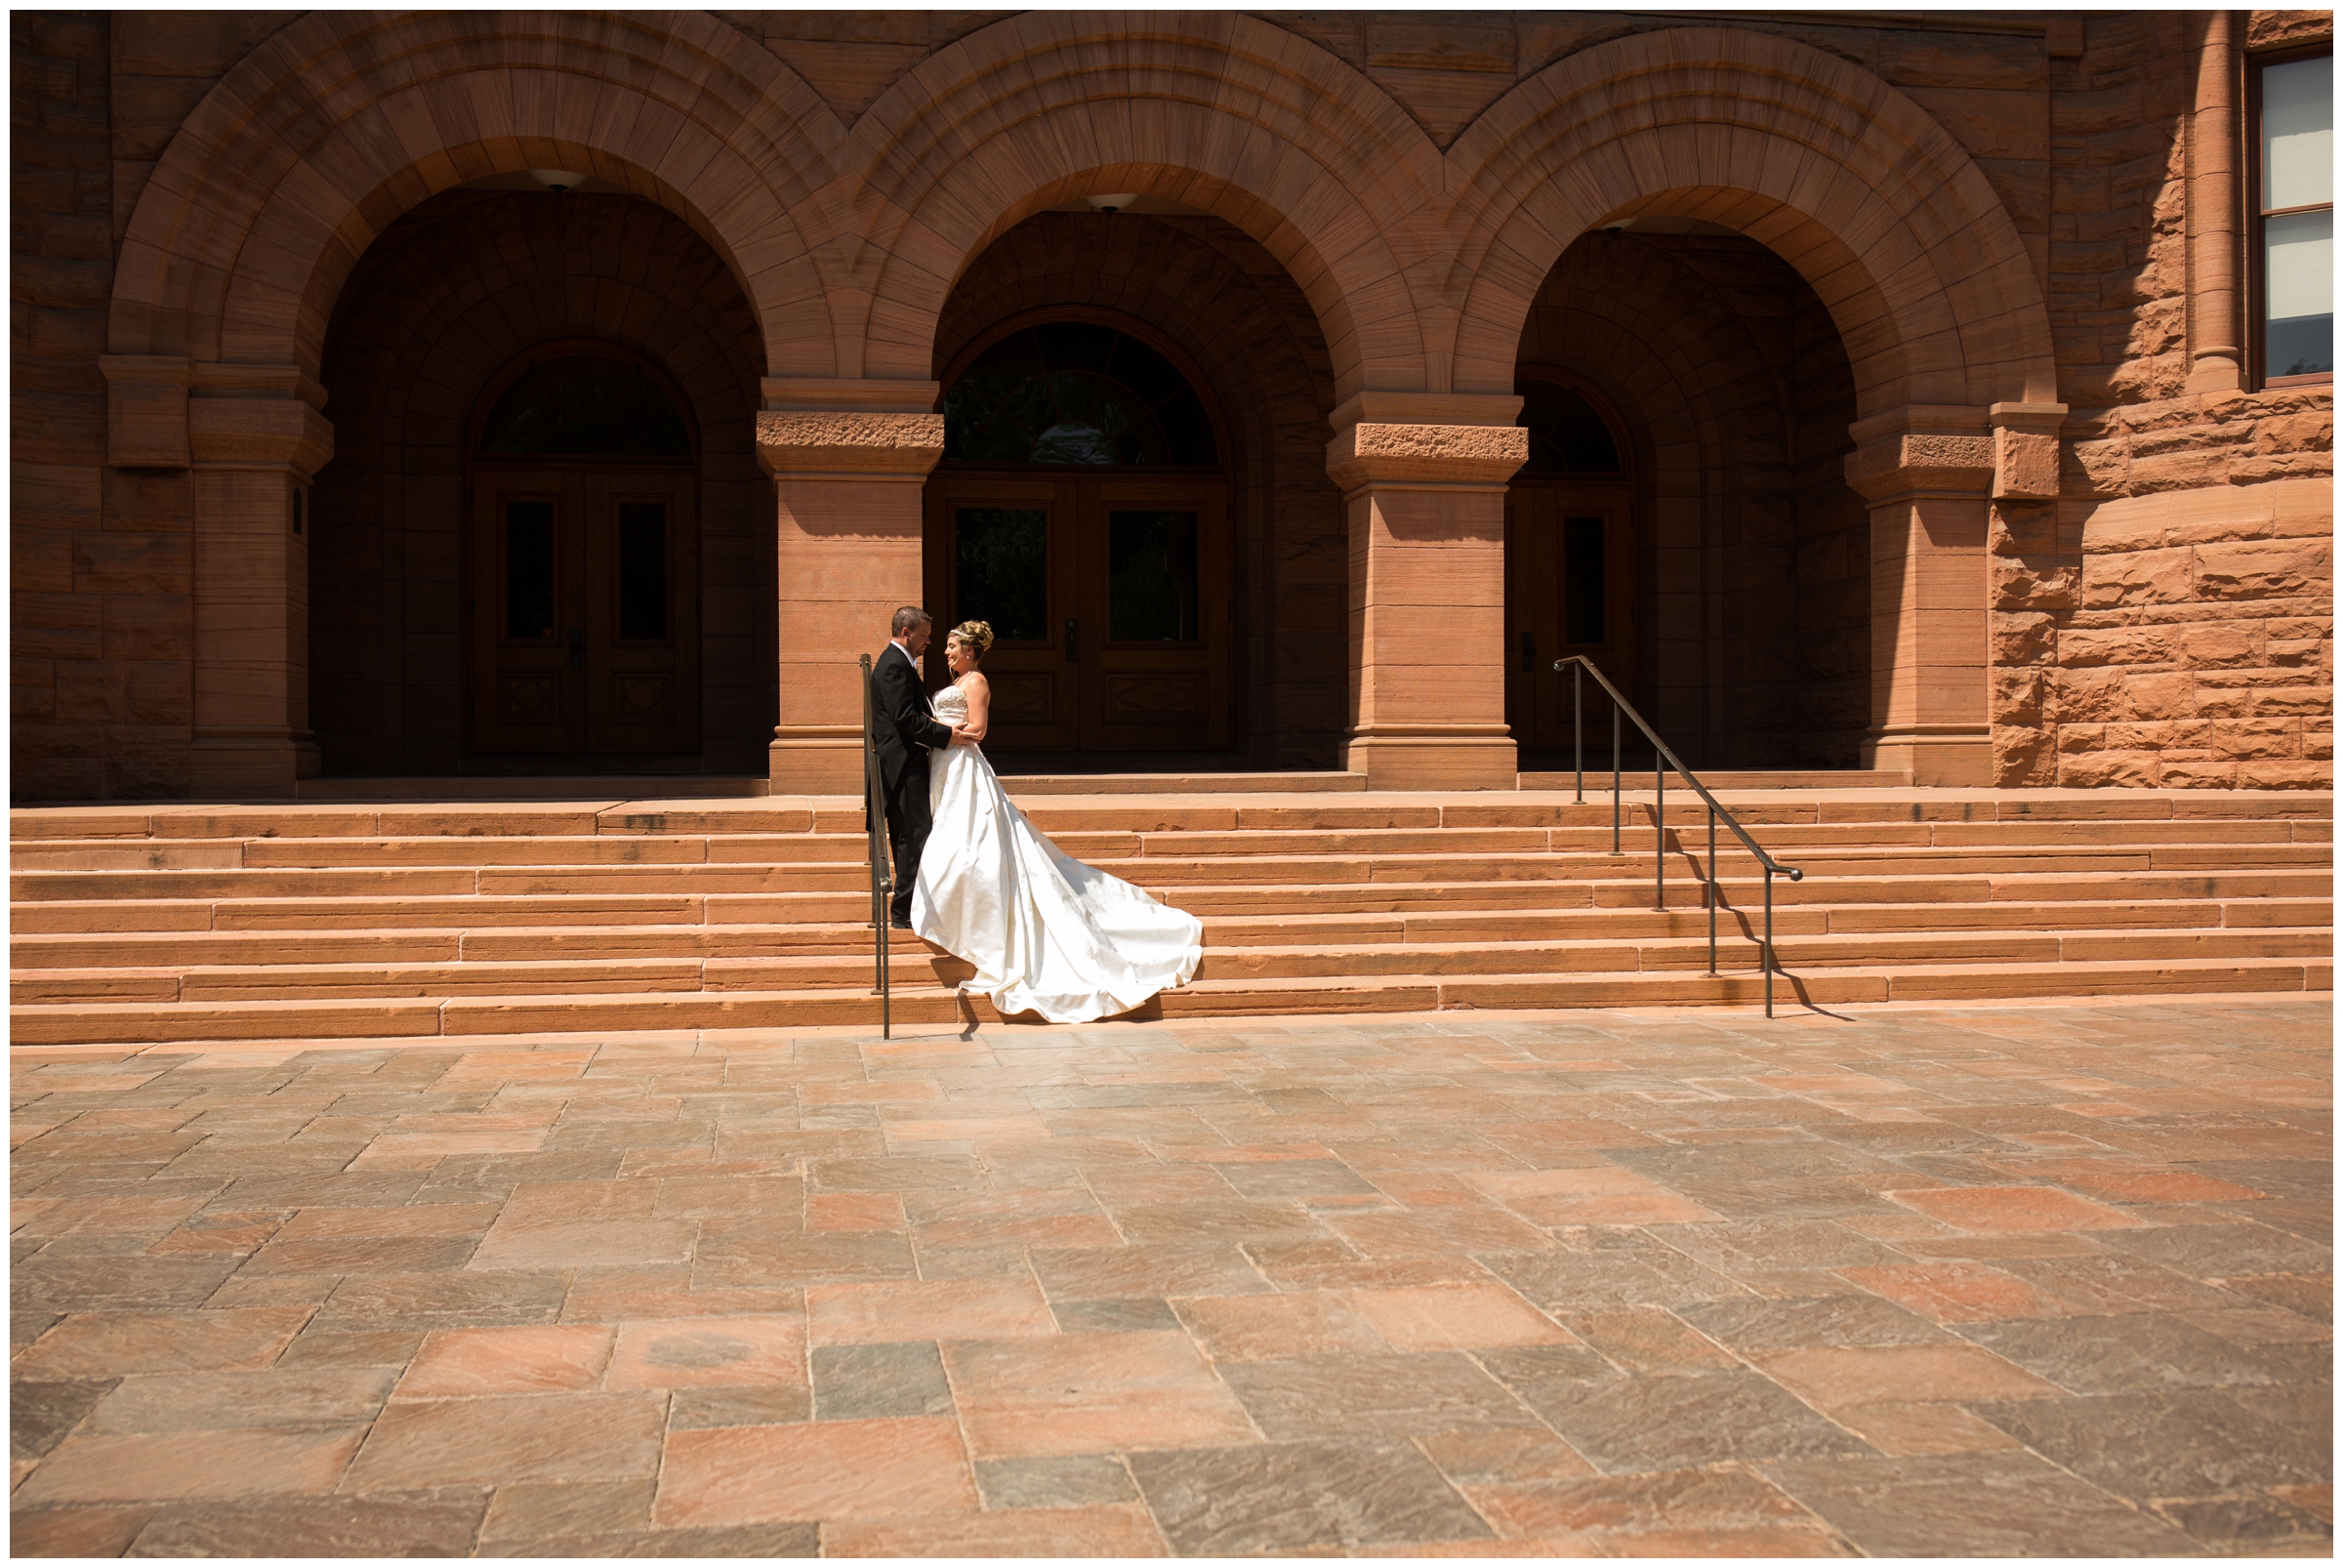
(1951, 756)
(1435, 757)
(816, 760)
(250, 763)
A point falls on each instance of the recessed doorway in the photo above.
(583, 603)
(1082, 510)
(1570, 565)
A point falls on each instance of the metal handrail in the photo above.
(1661, 761)
(883, 883)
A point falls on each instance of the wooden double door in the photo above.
(584, 610)
(1109, 600)
(1570, 589)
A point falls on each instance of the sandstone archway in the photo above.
(1905, 241)
(1218, 110)
(284, 174)
(330, 129)
(1850, 181)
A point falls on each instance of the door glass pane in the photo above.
(2301, 292)
(2298, 134)
(1583, 580)
(641, 570)
(529, 569)
(1151, 567)
(1002, 568)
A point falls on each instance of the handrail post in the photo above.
(1614, 849)
(882, 882)
(1712, 890)
(1664, 760)
(1578, 730)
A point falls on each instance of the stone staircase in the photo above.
(348, 919)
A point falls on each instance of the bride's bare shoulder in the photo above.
(974, 682)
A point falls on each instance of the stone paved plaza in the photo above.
(2045, 1279)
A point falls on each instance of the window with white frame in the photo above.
(2291, 99)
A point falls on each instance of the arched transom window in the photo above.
(1567, 435)
(585, 405)
(1076, 392)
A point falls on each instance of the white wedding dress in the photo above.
(1048, 934)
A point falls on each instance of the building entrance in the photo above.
(583, 603)
(1569, 567)
(1080, 510)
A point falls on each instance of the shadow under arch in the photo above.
(1874, 202)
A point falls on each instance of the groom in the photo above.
(907, 729)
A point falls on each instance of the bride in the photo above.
(1048, 934)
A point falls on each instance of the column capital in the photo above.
(1921, 448)
(1426, 441)
(170, 412)
(848, 443)
(259, 432)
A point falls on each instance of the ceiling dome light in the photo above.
(1113, 203)
(557, 181)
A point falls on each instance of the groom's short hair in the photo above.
(909, 616)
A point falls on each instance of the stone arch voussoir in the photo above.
(1216, 109)
(1852, 183)
(334, 126)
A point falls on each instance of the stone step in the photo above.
(492, 943)
(1165, 871)
(1789, 839)
(1296, 781)
(1740, 894)
(1721, 779)
(916, 963)
(1508, 900)
(1186, 810)
(391, 1018)
(500, 789)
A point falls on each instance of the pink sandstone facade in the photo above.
(1920, 339)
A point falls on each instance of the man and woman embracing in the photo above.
(1048, 934)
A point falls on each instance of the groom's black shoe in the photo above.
(899, 925)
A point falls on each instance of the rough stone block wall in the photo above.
(2188, 644)
(2167, 621)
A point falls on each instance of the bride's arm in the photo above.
(980, 704)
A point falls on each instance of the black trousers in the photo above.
(907, 825)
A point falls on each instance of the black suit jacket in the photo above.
(907, 724)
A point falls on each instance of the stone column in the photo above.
(850, 460)
(1926, 472)
(1423, 481)
(254, 438)
(1943, 484)
(2215, 212)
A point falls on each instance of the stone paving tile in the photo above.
(1966, 1280)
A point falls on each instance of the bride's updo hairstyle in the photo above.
(976, 636)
